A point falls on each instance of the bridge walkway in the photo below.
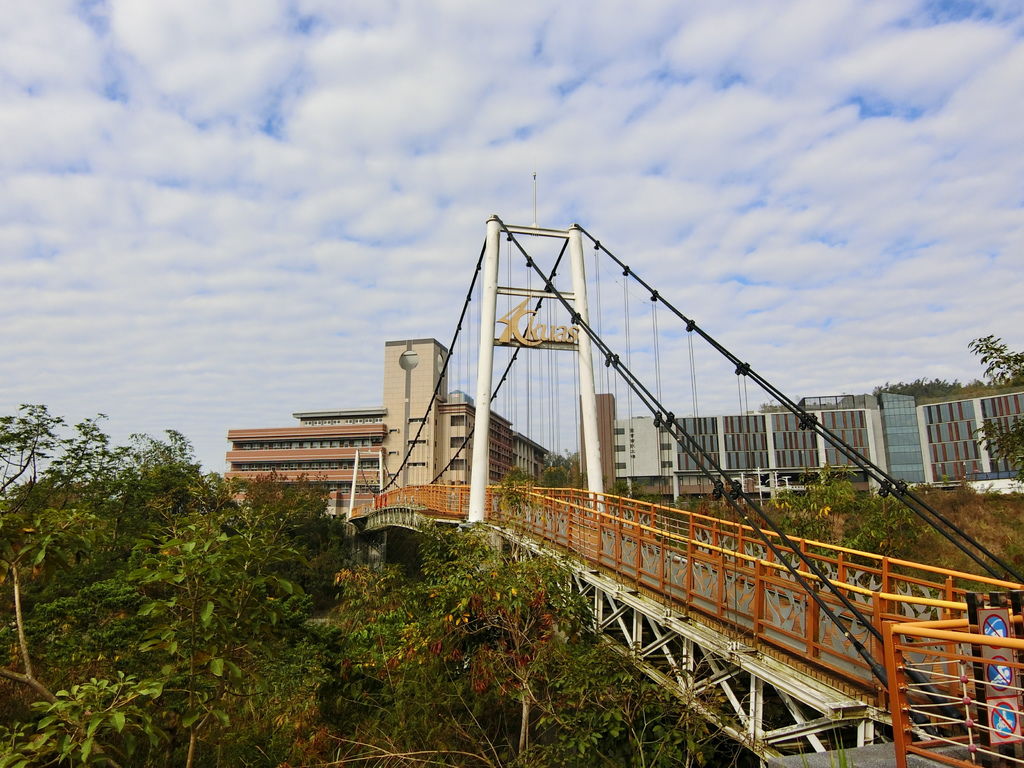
(704, 605)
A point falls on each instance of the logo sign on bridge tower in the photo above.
(523, 330)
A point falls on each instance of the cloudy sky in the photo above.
(214, 212)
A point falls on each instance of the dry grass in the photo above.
(994, 520)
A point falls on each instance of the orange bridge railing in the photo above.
(724, 571)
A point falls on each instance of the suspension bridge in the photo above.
(803, 646)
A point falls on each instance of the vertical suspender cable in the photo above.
(528, 389)
(576, 441)
(514, 416)
(630, 442)
(657, 350)
(597, 285)
(558, 398)
(696, 412)
(888, 485)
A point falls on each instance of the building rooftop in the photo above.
(342, 414)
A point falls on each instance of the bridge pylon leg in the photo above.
(480, 466)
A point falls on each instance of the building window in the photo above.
(620, 465)
(459, 421)
(620, 430)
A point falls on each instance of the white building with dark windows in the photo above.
(936, 443)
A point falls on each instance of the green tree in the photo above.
(1004, 437)
(831, 510)
(51, 481)
(489, 659)
(562, 471)
(216, 594)
(921, 388)
(35, 537)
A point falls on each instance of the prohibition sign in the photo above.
(1000, 676)
(995, 626)
(1004, 719)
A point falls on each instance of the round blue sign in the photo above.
(1000, 676)
(995, 626)
(1004, 719)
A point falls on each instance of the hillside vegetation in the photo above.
(153, 615)
(831, 510)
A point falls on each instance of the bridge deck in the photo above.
(683, 585)
(723, 571)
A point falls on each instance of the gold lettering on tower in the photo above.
(523, 330)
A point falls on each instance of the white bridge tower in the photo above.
(480, 467)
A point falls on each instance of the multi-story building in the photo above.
(644, 456)
(529, 456)
(771, 449)
(456, 419)
(606, 441)
(326, 447)
(950, 436)
(366, 447)
(928, 443)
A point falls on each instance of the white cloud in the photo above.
(215, 213)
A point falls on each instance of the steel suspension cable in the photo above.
(888, 485)
(504, 375)
(707, 464)
(444, 369)
(630, 441)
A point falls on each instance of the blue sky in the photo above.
(214, 212)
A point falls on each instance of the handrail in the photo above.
(890, 596)
(808, 542)
(940, 655)
(718, 568)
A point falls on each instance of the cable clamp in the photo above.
(717, 490)
(508, 236)
(885, 489)
(625, 271)
(657, 420)
(655, 296)
(690, 325)
(529, 263)
(575, 318)
(808, 420)
(743, 369)
(735, 490)
(901, 487)
(597, 245)
(670, 418)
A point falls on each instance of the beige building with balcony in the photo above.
(367, 446)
